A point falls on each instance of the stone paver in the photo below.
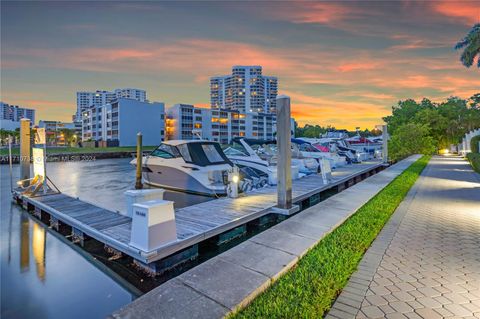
(426, 261)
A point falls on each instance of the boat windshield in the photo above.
(165, 151)
(307, 148)
(236, 149)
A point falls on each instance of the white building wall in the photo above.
(210, 124)
(86, 99)
(102, 123)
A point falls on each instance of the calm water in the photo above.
(45, 276)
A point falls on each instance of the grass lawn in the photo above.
(309, 289)
(82, 150)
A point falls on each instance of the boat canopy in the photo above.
(201, 153)
(252, 141)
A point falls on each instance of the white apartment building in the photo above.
(118, 122)
(98, 98)
(187, 122)
(11, 115)
(245, 90)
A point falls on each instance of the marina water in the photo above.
(43, 275)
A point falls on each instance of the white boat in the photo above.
(198, 167)
(306, 149)
(243, 155)
(263, 159)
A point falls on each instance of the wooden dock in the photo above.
(194, 223)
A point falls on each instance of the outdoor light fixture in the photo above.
(235, 178)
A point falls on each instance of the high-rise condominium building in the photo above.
(246, 91)
(98, 98)
(11, 115)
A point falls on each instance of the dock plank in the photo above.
(194, 223)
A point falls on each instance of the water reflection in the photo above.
(42, 274)
(38, 247)
(24, 244)
(37, 244)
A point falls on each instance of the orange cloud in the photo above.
(315, 12)
(348, 67)
(340, 92)
(466, 11)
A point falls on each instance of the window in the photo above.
(212, 154)
(183, 149)
(165, 151)
(198, 125)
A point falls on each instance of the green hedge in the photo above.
(474, 159)
(474, 144)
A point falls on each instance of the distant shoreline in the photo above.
(78, 154)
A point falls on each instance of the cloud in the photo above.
(328, 13)
(348, 67)
(467, 12)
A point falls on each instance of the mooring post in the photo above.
(385, 144)
(138, 182)
(24, 149)
(10, 161)
(284, 166)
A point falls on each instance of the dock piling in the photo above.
(138, 182)
(284, 165)
(385, 144)
(25, 149)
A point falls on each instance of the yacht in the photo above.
(197, 166)
(261, 161)
(306, 149)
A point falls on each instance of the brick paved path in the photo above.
(426, 261)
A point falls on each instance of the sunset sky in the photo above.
(343, 63)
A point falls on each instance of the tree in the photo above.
(474, 101)
(68, 136)
(410, 139)
(471, 47)
(313, 131)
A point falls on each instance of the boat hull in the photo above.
(176, 179)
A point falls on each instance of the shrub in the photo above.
(474, 144)
(474, 159)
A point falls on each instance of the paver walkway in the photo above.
(230, 280)
(426, 261)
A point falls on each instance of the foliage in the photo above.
(471, 47)
(474, 159)
(474, 144)
(68, 136)
(313, 131)
(410, 139)
(4, 134)
(308, 290)
(446, 122)
(82, 150)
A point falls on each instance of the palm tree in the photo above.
(471, 43)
